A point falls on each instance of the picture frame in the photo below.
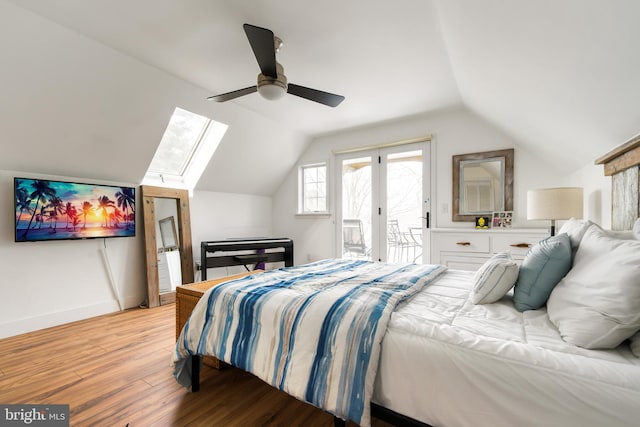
(483, 222)
(502, 219)
(47, 209)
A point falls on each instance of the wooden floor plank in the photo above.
(115, 370)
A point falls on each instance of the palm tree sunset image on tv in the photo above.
(58, 210)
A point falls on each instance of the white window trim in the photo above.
(198, 159)
(300, 212)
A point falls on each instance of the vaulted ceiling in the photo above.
(560, 77)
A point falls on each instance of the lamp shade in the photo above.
(554, 203)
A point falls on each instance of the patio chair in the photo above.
(399, 242)
(353, 238)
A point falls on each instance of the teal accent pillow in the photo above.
(541, 270)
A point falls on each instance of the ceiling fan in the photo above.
(272, 83)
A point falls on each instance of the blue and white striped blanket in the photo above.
(313, 331)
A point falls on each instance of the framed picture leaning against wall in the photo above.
(502, 219)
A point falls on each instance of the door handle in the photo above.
(427, 218)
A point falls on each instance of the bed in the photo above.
(448, 362)
(445, 359)
(313, 331)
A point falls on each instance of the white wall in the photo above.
(455, 131)
(597, 193)
(48, 283)
(218, 216)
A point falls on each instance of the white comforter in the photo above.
(448, 362)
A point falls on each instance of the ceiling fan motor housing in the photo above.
(270, 88)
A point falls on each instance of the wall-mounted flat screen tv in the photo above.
(59, 210)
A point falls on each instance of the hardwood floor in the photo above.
(114, 370)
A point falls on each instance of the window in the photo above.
(313, 189)
(184, 151)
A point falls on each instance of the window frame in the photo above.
(196, 160)
(303, 185)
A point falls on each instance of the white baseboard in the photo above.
(17, 327)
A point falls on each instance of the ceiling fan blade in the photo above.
(232, 95)
(263, 45)
(325, 98)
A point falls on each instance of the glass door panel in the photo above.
(404, 205)
(384, 203)
(357, 184)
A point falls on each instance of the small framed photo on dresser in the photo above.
(483, 222)
(502, 219)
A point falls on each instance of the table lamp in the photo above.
(554, 204)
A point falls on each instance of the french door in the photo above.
(383, 203)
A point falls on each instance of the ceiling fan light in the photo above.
(272, 91)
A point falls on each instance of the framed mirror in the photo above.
(155, 201)
(482, 184)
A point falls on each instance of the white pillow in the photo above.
(494, 279)
(635, 344)
(597, 304)
(575, 229)
(621, 234)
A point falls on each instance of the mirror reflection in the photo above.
(167, 247)
(481, 183)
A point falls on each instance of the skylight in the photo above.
(185, 150)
